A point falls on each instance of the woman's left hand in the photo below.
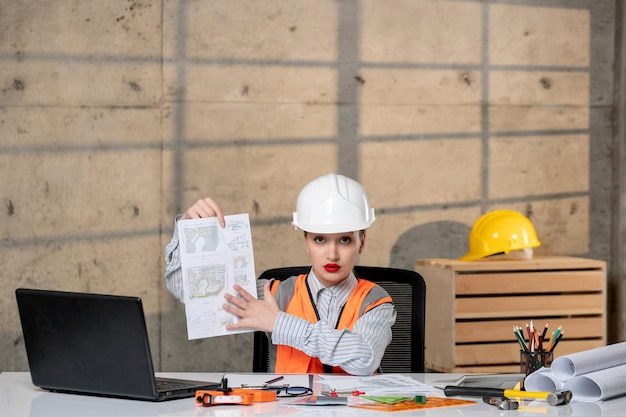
(254, 314)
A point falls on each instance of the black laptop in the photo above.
(93, 344)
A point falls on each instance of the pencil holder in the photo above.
(529, 362)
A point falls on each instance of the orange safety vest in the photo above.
(291, 360)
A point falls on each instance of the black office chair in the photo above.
(407, 288)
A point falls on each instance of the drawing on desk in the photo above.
(383, 384)
(431, 402)
(213, 259)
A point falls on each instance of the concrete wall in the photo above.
(115, 115)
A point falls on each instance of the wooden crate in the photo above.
(471, 308)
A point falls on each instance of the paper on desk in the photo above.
(504, 381)
(591, 375)
(542, 380)
(384, 384)
(213, 259)
(238, 380)
(592, 386)
(568, 366)
(318, 400)
(599, 385)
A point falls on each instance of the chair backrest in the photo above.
(407, 288)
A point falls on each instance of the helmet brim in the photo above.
(327, 229)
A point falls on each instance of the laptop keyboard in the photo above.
(165, 385)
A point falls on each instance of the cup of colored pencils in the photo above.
(536, 346)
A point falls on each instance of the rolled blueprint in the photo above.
(591, 375)
(568, 366)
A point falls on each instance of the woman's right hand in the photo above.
(205, 207)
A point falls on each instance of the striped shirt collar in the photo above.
(341, 290)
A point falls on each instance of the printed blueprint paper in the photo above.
(214, 259)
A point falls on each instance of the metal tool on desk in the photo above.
(502, 403)
(553, 398)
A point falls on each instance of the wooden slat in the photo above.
(508, 353)
(488, 369)
(493, 369)
(502, 330)
(529, 282)
(538, 262)
(439, 316)
(549, 305)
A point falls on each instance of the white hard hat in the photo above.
(333, 204)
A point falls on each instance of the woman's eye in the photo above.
(319, 239)
(346, 240)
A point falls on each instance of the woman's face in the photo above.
(333, 256)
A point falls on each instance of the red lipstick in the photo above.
(332, 267)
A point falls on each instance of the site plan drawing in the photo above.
(213, 259)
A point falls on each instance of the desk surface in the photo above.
(19, 398)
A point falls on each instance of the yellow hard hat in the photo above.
(500, 231)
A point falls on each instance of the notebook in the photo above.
(93, 344)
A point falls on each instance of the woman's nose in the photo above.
(333, 253)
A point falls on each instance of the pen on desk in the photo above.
(271, 381)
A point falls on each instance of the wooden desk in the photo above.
(19, 398)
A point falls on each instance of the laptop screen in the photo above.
(88, 343)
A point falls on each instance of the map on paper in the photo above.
(213, 259)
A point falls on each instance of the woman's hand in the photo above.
(254, 314)
(205, 207)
